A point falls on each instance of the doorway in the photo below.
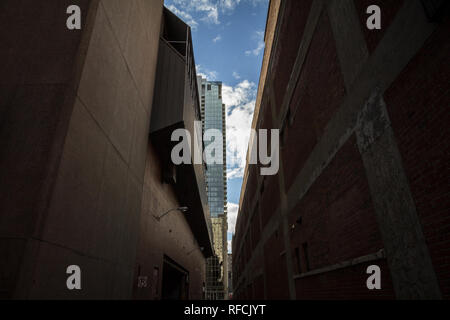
(175, 284)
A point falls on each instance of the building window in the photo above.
(155, 281)
(306, 255)
(297, 260)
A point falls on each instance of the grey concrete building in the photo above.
(81, 182)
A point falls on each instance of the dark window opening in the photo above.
(306, 254)
(175, 283)
(298, 261)
(156, 281)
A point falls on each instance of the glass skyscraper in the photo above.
(214, 117)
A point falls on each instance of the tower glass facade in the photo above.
(214, 111)
(214, 117)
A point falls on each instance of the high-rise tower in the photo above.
(214, 117)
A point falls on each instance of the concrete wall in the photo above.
(171, 237)
(40, 69)
(75, 114)
(94, 210)
(363, 165)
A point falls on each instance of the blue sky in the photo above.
(228, 38)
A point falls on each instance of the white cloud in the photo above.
(233, 210)
(212, 16)
(206, 73)
(258, 2)
(239, 95)
(229, 4)
(238, 136)
(218, 38)
(236, 75)
(210, 10)
(259, 38)
(186, 17)
(240, 102)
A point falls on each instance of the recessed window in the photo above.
(306, 255)
(298, 260)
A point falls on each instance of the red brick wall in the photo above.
(418, 104)
(252, 185)
(256, 279)
(258, 288)
(389, 9)
(338, 220)
(255, 229)
(319, 93)
(248, 247)
(270, 199)
(344, 284)
(275, 267)
(284, 58)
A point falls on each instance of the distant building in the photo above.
(364, 163)
(214, 117)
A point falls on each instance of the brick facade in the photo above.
(363, 117)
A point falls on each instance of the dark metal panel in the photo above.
(169, 88)
(176, 105)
